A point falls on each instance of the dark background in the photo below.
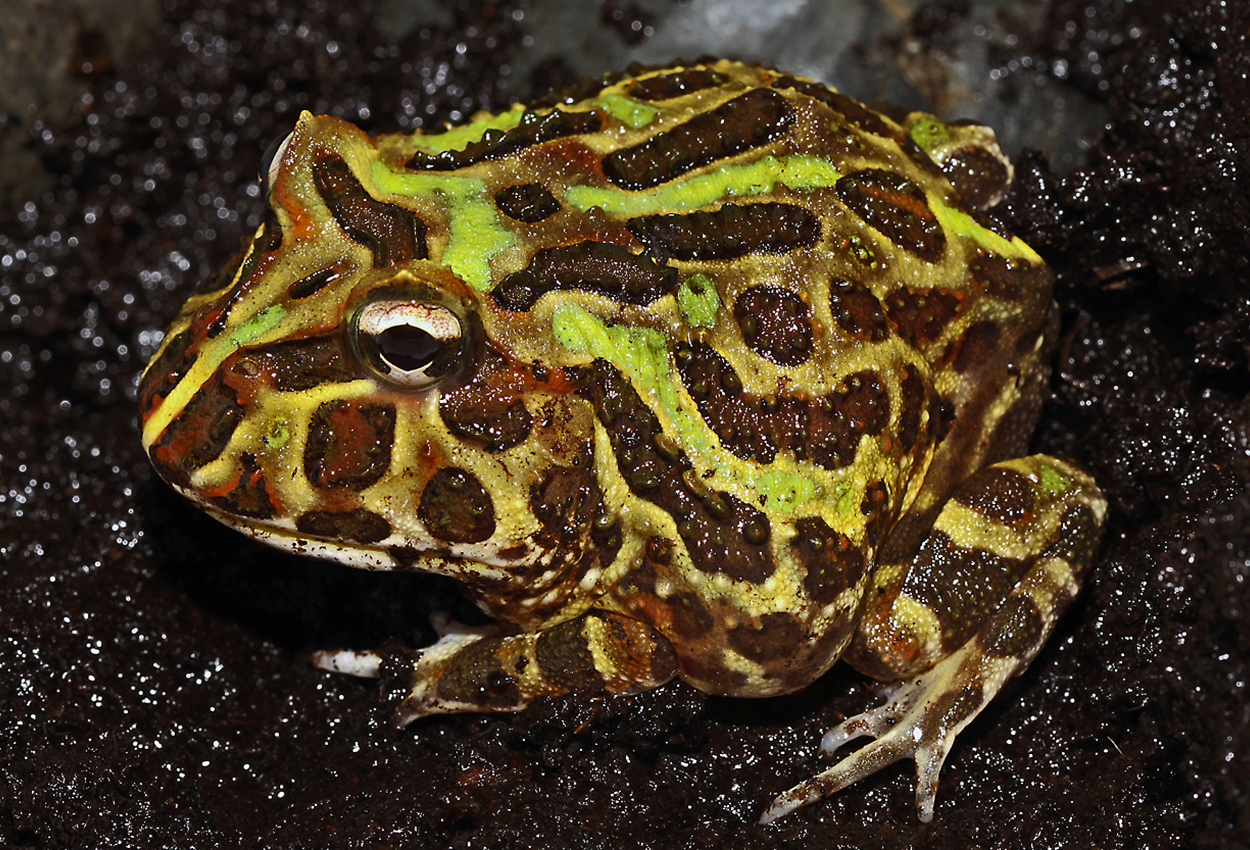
(154, 683)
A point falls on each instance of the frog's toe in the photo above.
(365, 664)
(865, 761)
(920, 721)
(873, 723)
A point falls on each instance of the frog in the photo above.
(704, 372)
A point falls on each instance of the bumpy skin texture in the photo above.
(706, 371)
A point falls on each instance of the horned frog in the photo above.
(710, 372)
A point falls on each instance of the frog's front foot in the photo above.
(920, 721)
(484, 668)
(367, 663)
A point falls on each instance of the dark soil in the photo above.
(154, 683)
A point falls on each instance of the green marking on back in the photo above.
(800, 172)
(257, 326)
(629, 112)
(277, 434)
(781, 489)
(475, 236)
(929, 132)
(698, 301)
(1052, 482)
(458, 138)
(965, 225)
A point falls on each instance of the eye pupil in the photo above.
(408, 348)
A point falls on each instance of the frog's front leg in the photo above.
(474, 669)
(1006, 555)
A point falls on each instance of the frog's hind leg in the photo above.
(1006, 555)
(483, 669)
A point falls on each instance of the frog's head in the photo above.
(348, 386)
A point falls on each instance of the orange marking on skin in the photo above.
(565, 155)
(918, 207)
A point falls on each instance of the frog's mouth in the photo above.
(353, 554)
(394, 552)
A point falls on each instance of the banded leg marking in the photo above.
(479, 669)
(925, 713)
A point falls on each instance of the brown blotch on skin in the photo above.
(534, 129)
(852, 111)
(297, 365)
(711, 672)
(875, 508)
(689, 617)
(199, 434)
(584, 88)
(825, 430)
(977, 175)
(489, 410)
(860, 405)
(393, 234)
(918, 155)
(914, 399)
(1001, 494)
(456, 508)
(514, 553)
(528, 202)
(675, 84)
(405, 557)
(311, 284)
(661, 660)
(164, 373)
(778, 637)
(963, 586)
(639, 581)
(565, 502)
(727, 233)
(221, 277)
(601, 267)
(977, 346)
(250, 496)
(832, 564)
(213, 315)
(961, 703)
(746, 122)
(716, 527)
(990, 222)
(897, 208)
(1009, 279)
(475, 675)
(565, 660)
(920, 316)
(270, 237)
(356, 524)
(776, 324)
(349, 444)
(857, 311)
(1015, 630)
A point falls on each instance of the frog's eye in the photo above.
(271, 162)
(410, 344)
